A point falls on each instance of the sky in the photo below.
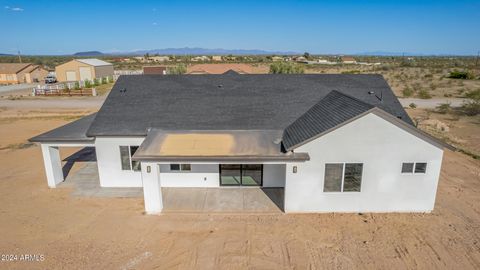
(318, 27)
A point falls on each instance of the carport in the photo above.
(69, 135)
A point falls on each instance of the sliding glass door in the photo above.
(241, 175)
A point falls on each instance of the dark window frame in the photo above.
(182, 167)
(241, 176)
(134, 165)
(415, 169)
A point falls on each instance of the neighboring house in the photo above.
(159, 58)
(277, 58)
(300, 59)
(220, 68)
(159, 70)
(200, 58)
(15, 73)
(352, 149)
(83, 69)
(216, 58)
(348, 60)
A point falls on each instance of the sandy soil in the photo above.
(105, 233)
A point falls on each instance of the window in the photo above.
(420, 167)
(343, 177)
(126, 153)
(180, 167)
(408, 167)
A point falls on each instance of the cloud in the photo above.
(18, 9)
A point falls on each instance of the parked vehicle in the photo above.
(50, 79)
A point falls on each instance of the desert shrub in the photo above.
(428, 76)
(77, 86)
(407, 91)
(178, 69)
(433, 86)
(475, 94)
(96, 82)
(110, 79)
(443, 108)
(286, 68)
(424, 94)
(471, 108)
(351, 72)
(456, 74)
(104, 80)
(88, 84)
(412, 105)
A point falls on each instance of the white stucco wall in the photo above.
(274, 175)
(201, 175)
(109, 163)
(382, 148)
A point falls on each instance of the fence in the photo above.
(54, 91)
(118, 73)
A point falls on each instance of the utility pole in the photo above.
(476, 60)
(19, 57)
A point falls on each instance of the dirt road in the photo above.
(432, 103)
(53, 103)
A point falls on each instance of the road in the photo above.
(432, 103)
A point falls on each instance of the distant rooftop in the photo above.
(94, 62)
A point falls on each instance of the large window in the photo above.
(126, 153)
(180, 167)
(343, 177)
(411, 167)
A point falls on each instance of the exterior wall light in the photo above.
(149, 169)
(294, 169)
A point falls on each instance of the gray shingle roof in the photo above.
(234, 102)
(333, 110)
(71, 132)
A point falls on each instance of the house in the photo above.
(216, 58)
(159, 58)
(159, 70)
(15, 73)
(200, 58)
(83, 69)
(220, 68)
(277, 58)
(348, 60)
(332, 142)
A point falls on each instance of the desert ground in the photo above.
(72, 232)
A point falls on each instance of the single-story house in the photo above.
(217, 58)
(333, 142)
(15, 73)
(348, 60)
(83, 69)
(220, 68)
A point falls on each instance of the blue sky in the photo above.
(326, 27)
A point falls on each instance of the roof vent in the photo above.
(371, 92)
(220, 86)
(378, 97)
(123, 90)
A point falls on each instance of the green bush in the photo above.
(475, 94)
(471, 108)
(88, 84)
(96, 82)
(104, 80)
(443, 108)
(110, 79)
(412, 105)
(286, 68)
(407, 92)
(178, 69)
(77, 86)
(424, 94)
(460, 75)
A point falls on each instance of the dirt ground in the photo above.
(112, 233)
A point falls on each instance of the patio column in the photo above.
(152, 190)
(53, 165)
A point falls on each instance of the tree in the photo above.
(178, 69)
(306, 55)
(286, 68)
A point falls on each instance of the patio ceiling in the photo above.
(215, 145)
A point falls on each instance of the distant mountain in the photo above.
(5, 54)
(203, 51)
(89, 53)
(383, 53)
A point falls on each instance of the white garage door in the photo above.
(85, 73)
(71, 76)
